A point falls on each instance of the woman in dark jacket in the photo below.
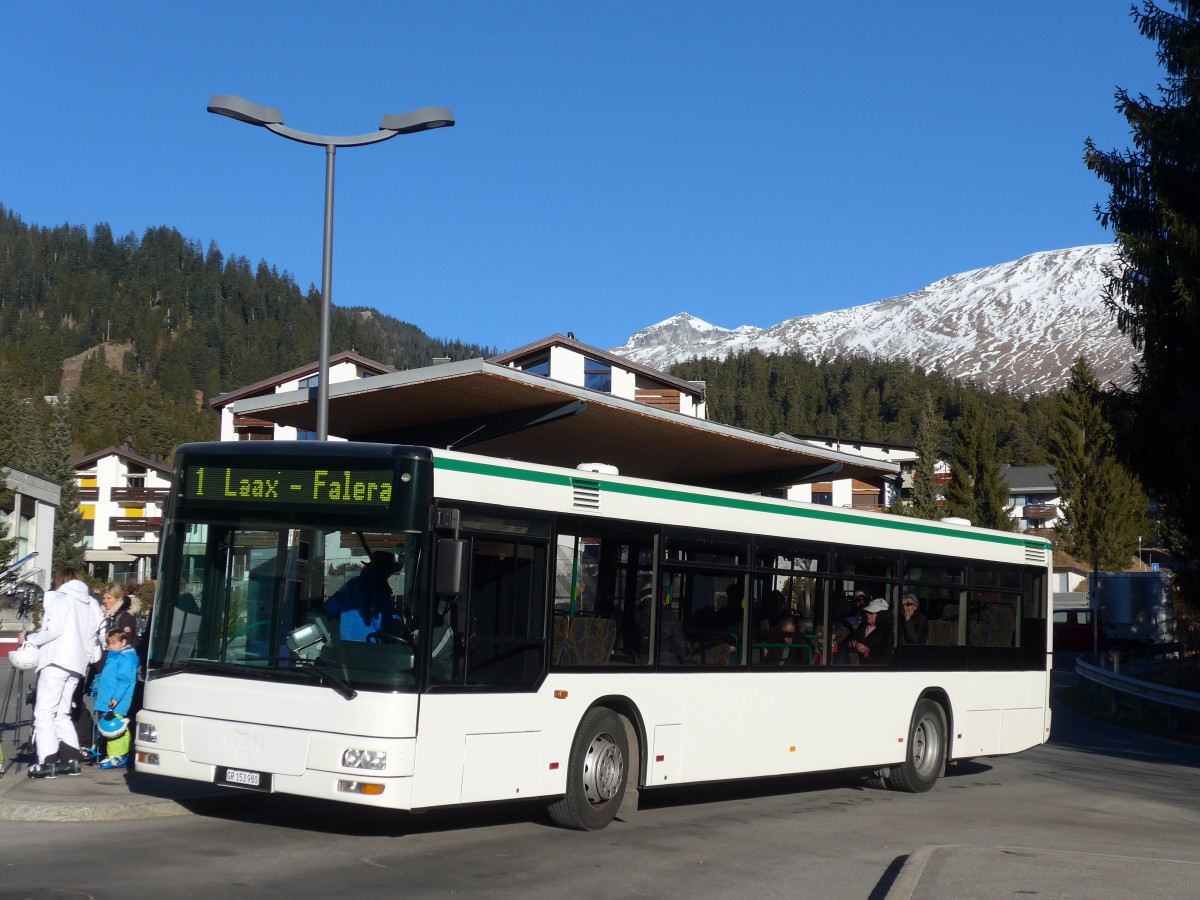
(914, 625)
(872, 643)
(118, 616)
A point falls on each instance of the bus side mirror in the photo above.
(451, 574)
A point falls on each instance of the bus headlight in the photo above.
(364, 759)
(147, 732)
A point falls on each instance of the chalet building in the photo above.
(121, 499)
(878, 493)
(559, 402)
(346, 366)
(29, 518)
(574, 362)
(1033, 498)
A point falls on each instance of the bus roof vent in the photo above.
(585, 493)
(598, 468)
(1035, 553)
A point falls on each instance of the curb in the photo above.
(906, 881)
(123, 808)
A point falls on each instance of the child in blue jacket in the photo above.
(114, 693)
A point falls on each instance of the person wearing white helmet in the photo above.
(873, 641)
(71, 619)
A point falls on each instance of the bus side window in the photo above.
(505, 612)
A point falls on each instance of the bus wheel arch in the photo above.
(604, 754)
(925, 753)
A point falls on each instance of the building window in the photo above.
(597, 376)
(539, 365)
(310, 382)
(302, 435)
(823, 498)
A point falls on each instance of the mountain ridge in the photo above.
(1013, 326)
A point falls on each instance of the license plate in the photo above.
(241, 778)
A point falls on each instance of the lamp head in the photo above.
(423, 119)
(244, 111)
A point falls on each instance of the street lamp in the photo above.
(423, 119)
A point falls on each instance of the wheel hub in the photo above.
(603, 770)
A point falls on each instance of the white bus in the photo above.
(410, 628)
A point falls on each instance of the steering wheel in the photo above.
(384, 637)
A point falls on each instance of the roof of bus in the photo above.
(493, 410)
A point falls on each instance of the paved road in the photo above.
(1097, 813)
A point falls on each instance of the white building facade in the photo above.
(121, 499)
(234, 427)
(30, 521)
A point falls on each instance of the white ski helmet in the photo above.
(24, 657)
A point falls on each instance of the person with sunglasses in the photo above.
(914, 624)
(872, 643)
(784, 650)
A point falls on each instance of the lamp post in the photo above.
(423, 119)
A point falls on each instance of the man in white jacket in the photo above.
(71, 620)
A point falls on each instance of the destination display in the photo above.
(312, 487)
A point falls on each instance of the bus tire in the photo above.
(926, 754)
(595, 773)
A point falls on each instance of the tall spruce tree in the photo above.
(975, 490)
(1104, 507)
(1154, 212)
(928, 439)
(69, 530)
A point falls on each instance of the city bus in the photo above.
(409, 627)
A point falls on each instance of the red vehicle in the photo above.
(1073, 629)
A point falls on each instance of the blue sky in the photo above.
(614, 163)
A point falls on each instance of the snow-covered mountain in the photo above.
(1016, 326)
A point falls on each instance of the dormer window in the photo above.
(597, 376)
(539, 365)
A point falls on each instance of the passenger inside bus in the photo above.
(672, 645)
(872, 643)
(783, 647)
(913, 624)
(364, 605)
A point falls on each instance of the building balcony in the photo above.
(139, 495)
(140, 523)
(89, 495)
(1040, 511)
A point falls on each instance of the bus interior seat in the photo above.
(994, 625)
(558, 635)
(943, 632)
(589, 642)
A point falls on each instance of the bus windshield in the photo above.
(320, 580)
(273, 602)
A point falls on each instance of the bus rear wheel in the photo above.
(926, 752)
(595, 773)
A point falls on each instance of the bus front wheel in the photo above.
(595, 773)
(926, 752)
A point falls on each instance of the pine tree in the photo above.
(1104, 507)
(928, 439)
(69, 529)
(1154, 212)
(976, 491)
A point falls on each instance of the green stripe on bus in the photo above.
(896, 523)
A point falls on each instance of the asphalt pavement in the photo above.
(928, 872)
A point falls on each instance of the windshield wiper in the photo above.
(327, 676)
